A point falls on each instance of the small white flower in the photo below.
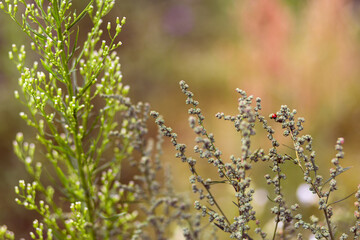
(28, 160)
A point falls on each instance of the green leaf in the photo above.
(344, 170)
(114, 217)
(342, 199)
(74, 47)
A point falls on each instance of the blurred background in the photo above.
(305, 54)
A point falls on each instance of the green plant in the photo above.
(86, 127)
(61, 107)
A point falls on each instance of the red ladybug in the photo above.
(273, 116)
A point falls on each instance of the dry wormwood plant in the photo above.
(236, 173)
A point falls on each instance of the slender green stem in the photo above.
(276, 226)
(318, 193)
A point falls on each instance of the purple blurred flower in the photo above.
(178, 20)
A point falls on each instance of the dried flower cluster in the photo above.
(236, 172)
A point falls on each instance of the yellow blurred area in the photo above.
(305, 55)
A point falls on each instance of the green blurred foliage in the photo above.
(302, 53)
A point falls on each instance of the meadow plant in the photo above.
(236, 172)
(87, 129)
